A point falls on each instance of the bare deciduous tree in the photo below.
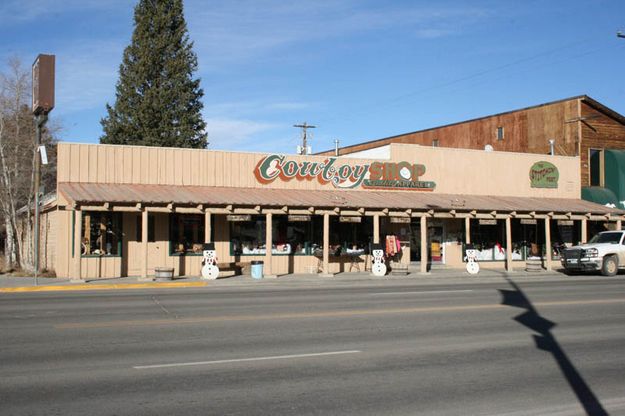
(17, 155)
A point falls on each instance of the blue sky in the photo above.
(358, 70)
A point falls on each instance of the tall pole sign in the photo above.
(43, 103)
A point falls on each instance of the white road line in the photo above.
(239, 360)
(421, 292)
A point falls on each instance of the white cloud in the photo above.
(227, 133)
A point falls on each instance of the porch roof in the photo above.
(99, 193)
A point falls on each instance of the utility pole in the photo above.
(43, 103)
(304, 127)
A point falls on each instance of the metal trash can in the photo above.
(257, 269)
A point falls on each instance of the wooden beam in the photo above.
(326, 211)
(252, 211)
(158, 209)
(218, 211)
(277, 211)
(524, 216)
(351, 213)
(560, 217)
(300, 211)
(93, 208)
(398, 214)
(122, 208)
(373, 213)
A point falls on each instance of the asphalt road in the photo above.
(394, 348)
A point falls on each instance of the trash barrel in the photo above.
(257, 269)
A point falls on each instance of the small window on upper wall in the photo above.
(435, 143)
(499, 133)
(595, 159)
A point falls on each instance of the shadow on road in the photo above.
(546, 341)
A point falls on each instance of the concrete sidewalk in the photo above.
(12, 284)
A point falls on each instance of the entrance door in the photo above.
(435, 242)
(157, 242)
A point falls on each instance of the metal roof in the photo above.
(85, 193)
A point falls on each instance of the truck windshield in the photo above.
(613, 238)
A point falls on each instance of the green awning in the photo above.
(615, 174)
(599, 195)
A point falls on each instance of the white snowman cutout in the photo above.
(378, 268)
(472, 266)
(210, 271)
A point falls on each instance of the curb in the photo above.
(81, 287)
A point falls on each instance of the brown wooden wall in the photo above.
(527, 130)
(574, 124)
(598, 131)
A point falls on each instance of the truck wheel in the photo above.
(610, 266)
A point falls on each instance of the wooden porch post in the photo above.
(207, 227)
(424, 243)
(584, 236)
(268, 245)
(376, 229)
(467, 230)
(144, 244)
(326, 245)
(508, 245)
(76, 272)
(548, 244)
(619, 225)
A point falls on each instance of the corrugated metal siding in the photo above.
(219, 196)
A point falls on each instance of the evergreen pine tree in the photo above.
(157, 100)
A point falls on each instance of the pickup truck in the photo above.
(605, 252)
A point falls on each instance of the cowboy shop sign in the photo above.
(377, 175)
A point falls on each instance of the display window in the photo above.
(489, 239)
(288, 237)
(101, 234)
(186, 233)
(346, 237)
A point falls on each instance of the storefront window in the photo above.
(101, 234)
(288, 237)
(488, 238)
(346, 237)
(186, 234)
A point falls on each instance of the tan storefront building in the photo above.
(123, 210)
